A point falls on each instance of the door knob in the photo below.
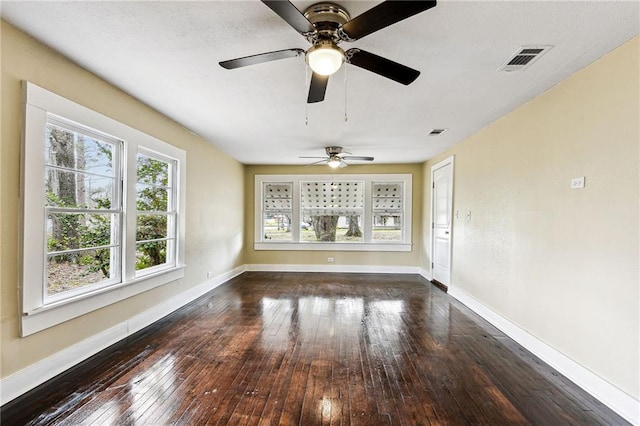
(446, 232)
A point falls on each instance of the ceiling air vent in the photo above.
(523, 58)
(436, 132)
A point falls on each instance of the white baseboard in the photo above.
(425, 274)
(620, 402)
(28, 378)
(370, 269)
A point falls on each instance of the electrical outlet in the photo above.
(469, 216)
(330, 259)
(577, 183)
(209, 274)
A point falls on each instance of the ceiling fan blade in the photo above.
(291, 15)
(317, 88)
(260, 58)
(318, 162)
(382, 66)
(357, 158)
(381, 16)
(302, 156)
(343, 164)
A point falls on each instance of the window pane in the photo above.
(332, 228)
(80, 172)
(72, 150)
(151, 198)
(154, 232)
(152, 171)
(73, 189)
(77, 270)
(71, 231)
(150, 254)
(277, 227)
(387, 228)
(151, 227)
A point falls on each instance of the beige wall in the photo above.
(214, 209)
(560, 263)
(410, 259)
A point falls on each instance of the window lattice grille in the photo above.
(332, 198)
(387, 197)
(277, 197)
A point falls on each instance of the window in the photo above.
(325, 212)
(83, 209)
(332, 211)
(387, 211)
(103, 211)
(156, 213)
(277, 214)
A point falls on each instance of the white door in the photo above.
(441, 208)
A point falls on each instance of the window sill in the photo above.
(55, 313)
(285, 245)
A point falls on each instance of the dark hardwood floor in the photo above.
(309, 349)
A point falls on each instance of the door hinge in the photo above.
(433, 185)
(433, 225)
(431, 265)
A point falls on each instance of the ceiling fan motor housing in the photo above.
(333, 150)
(327, 18)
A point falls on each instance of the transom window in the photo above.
(322, 212)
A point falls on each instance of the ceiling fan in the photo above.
(325, 25)
(336, 157)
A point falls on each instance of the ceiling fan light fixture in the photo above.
(325, 57)
(334, 162)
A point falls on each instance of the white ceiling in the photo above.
(166, 54)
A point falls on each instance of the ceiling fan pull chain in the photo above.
(345, 94)
(306, 104)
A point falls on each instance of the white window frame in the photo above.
(368, 244)
(263, 211)
(38, 313)
(171, 212)
(116, 209)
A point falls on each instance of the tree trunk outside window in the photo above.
(62, 189)
(325, 227)
(354, 227)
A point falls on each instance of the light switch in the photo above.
(577, 183)
(469, 216)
